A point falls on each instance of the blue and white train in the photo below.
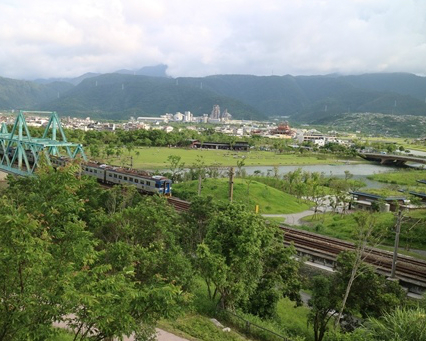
(112, 175)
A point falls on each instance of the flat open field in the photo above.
(156, 158)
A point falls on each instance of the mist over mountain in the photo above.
(149, 92)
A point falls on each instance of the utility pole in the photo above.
(199, 183)
(231, 183)
(395, 251)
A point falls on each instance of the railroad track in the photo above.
(407, 268)
(179, 204)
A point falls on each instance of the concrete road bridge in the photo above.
(391, 159)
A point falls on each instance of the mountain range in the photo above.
(150, 92)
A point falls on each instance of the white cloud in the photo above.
(55, 38)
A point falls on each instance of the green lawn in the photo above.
(270, 200)
(404, 177)
(156, 158)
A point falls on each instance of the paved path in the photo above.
(295, 218)
(162, 335)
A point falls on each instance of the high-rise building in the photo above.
(215, 114)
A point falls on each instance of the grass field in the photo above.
(270, 200)
(404, 177)
(156, 158)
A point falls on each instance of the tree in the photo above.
(323, 303)
(242, 259)
(365, 230)
(65, 257)
(43, 243)
(176, 166)
(232, 250)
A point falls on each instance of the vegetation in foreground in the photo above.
(120, 262)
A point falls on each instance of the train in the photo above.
(112, 175)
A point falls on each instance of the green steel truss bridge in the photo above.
(20, 153)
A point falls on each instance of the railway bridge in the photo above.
(21, 153)
(391, 159)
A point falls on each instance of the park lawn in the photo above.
(404, 177)
(156, 158)
(247, 191)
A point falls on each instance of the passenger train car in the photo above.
(117, 175)
(112, 175)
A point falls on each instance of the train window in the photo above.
(136, 180)
(91, 170)
(148, 183)
(110, 175)
(125, 178)
(115, 175)
(157, 185)
(87, 168)
(131, 179)
(142, 182)
(120, 177)
(95, 171)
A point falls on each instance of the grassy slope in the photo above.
(156, 158)
(195, 324)
(344, 227)
(405, 177)
(270, 200)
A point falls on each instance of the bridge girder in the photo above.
(21, 153)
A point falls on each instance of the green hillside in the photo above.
(120, 96)
(270, 200)
(17, 94)
(309, 99)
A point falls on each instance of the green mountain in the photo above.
(17, 94)
(310, 99)
(119, 96)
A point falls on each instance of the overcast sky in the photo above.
(66, 38)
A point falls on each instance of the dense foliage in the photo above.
(108, 263)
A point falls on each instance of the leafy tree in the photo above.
(176, 166)
(105, 271)
(323, 303)
(241, 259)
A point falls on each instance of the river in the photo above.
(359, 171)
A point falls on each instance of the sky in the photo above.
(195, 38)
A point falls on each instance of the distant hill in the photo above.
(17, 94)
(309, 99)
(152, 71)
(119, 96)
(73, 81)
